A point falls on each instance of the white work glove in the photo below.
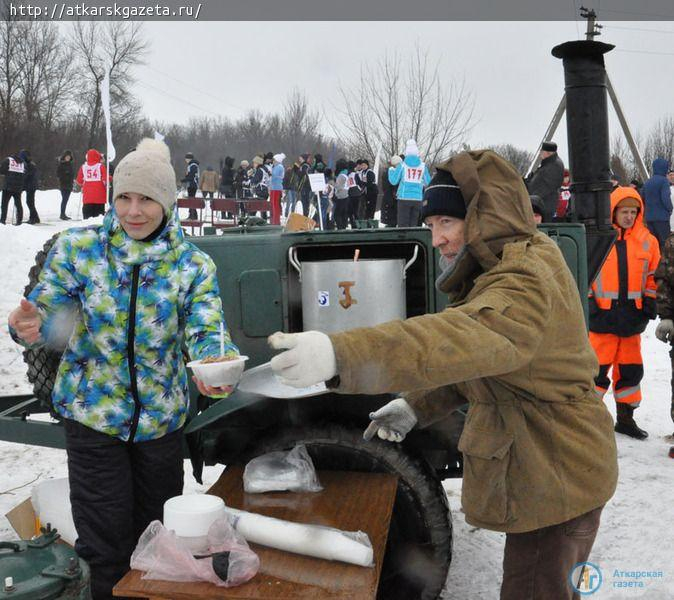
(309, 358)
(391, 422)
(665, 330)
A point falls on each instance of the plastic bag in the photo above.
(51, 502)
(276, 471)
(303, 538)
(228, 562)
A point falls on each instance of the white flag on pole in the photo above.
(105, 101)
(158, 136)
(377, 160)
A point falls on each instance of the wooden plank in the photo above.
(349, 501)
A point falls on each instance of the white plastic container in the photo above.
(191, 515)
(218, 374)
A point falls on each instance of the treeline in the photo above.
(50, 100)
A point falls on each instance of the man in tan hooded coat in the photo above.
(538, 446)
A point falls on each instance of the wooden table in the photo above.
(349, 501)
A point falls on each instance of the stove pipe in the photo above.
(588, 138)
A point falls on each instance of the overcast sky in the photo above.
(220, 68)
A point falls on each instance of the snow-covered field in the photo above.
(637, 528)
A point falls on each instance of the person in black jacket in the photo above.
(389, 211)
(65, 173)
(30, 181)
(14, 171)
(547, 179)
(191, 180)
(227, 178)
(303, 185)
(368, 178)
(319, 165)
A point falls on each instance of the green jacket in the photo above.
(538, 444)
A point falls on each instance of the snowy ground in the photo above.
(637, 525)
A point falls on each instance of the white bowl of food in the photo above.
(218, 371)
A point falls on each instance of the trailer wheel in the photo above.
(42, 363)
(419, 546)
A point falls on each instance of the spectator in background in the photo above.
(538, 208)
(260, 179)
(355, 192)
(635, 184)
(411, 176)
(341, 194)
(615, 182)
(327, 200)
(670, 178)
(290, 181)
(564, 196)
(30, 183)
(547, 179)
(664, 277)
(14, 171)
(242, 180)
(658, 201)
(276, 188)
(92, 178)
(369, 182)
(65, 172)
(319, 165)
(209, 182)
(622, 301)
(227, 178)
(191, 180)
(304, 185)
(389, 209)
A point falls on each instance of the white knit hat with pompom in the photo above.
(148, 171)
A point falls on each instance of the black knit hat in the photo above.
(537, 204)
(443, 197)
(549, 146)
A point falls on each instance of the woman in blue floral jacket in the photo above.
(140, 292)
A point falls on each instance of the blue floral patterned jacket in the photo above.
(122, 372)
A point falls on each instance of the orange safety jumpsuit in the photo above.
(622, 300)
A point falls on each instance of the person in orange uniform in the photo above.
(622, 301)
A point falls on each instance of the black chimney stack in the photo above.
(587, 132)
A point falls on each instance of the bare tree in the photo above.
(10, 34)
(116, 46)
(396, 99)
(519, 158)
(300, 126)
(660, 141)
(44, 74)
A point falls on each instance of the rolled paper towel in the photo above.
(352, 547)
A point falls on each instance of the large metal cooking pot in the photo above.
(342, 294)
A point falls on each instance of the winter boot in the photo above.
(64, 217)
(625, 422)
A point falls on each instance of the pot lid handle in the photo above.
(408, 264)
